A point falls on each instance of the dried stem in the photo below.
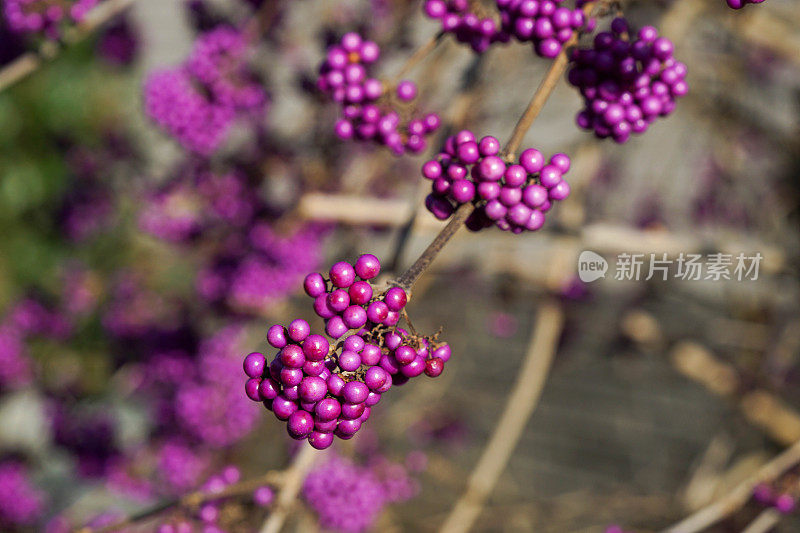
(519, 406)
(764, 522)
(417, 57)
(410, 276)
(261, 21)
(194, 499)
(293, 480)
(740, 495)
(29, 62)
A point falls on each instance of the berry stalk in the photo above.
(195, 499)
(417, 57)
(293, 481)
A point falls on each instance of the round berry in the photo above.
(300, 424)
(395, 299)
(355, 392)
(314, 284)
(298, 330)
(316, 347)
(328, 409)
(342, 274)
(434, 367)
(313, 389)
(254, 365)
(276, 336)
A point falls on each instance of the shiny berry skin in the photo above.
(320, 441)
(360, 292)
(313, 389)
(300, 424)
(298, 330)
(355, 392)
(377, 312)
(269, 389)
(406, 90)
(283, 408)
(314, 284)
(354, 317)
(342, 274)
(276, 336)
(395, 299)
(370, 355)
(315, 347)
(336, 327)
(349, 361)
(434, 367)
(328, 409)
(254, 364)
(375, 377)
(405, 354)
(292, 356)
(251, 387)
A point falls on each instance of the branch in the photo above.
(292, 482)
(29, 62)
(740, 495)
(519, 406)
(194, 499)
(417, 57)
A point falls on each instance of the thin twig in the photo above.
(410, 276)
(740, 495)
(420, 54)
(519, 406)
(292, 482)
(194, 499)
(764, 522)
(258, 24)
(29, 62)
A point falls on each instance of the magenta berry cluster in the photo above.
(211, 511)
(198, 102)
(513, 197)
(546, 24)
(370, 110)
(467, 22)
(46, 17)
(324, 388)
(739, 4)
(347, 301)
(626, 85)
(783, 498)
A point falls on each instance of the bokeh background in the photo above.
(125, 319)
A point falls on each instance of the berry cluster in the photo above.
(323, 388)
(198, 102)
(210, 513)
(513, 197)
(346, 303)
(21, 504)
(739, 4)
(626, 85)
(349, 497)
(47, 17)
(370, 110)
(545, 23)
(467, 22)
(781, 495)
